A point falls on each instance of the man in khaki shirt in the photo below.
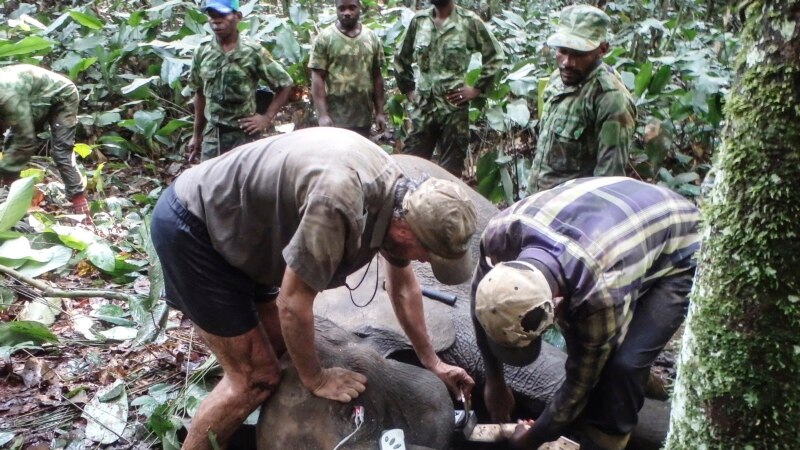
(300, 211)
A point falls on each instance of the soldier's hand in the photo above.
(380, 122)
(325, 121)
(193, 147)
(462, 95)
(338, 384)
(257, 123)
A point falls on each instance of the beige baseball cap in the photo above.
(442, 216)
(580, 27)
(514, 305)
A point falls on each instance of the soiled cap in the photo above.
(222, 6)
(514, 305)
(443, 218)
(580, 27)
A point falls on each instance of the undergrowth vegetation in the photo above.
(130, 62)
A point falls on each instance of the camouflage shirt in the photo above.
(26, 94)
(442, 55)
(229, 80)
(585, 130)
(349, 63)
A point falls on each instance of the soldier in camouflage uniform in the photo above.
(440, 42)
(346, 80)
(589, 116)
(30, 98)
(225, 72)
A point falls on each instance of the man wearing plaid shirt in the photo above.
(609, 261)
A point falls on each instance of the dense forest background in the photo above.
(130, 59)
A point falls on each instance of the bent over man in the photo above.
(30, 98)
(588, 117)
(610, 261)
(300, 212)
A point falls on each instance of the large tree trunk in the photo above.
(738, 372)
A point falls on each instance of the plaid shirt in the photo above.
(607, 240)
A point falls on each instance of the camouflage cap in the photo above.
(580, 27)
(443, 218)
(514, 305)
(222, 6)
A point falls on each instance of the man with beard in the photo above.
(346, 80)
(588, 117)
(441, 40)
(225, 72)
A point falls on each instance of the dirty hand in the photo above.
(257, 123)
(519, 440)
(325, 121)
(380, 122)
(193, 147)
(455, 378)
(462, 95)
(499, 401)
(339, 384)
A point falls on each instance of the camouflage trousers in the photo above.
(62, 116)
(437, 124)
(221, 139)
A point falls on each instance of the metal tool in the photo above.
(465, 420)
(444, 297)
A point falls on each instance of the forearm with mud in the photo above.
(318, 93)
(296, 312)
(377, 81)
(199, 114)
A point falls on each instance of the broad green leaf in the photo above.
(297, 13)
(136, 84)
(30, 44)
(74, 237)
(86, 20)
(643, 78)
(508, 185)
(172, 125)
(686, 177)
(101, 256)
(105, 421)
(496, 118)
(80, 66)
(286, 46)
(119, 333)
(147, 122)
(18, 248)
(59, 257)
(6, 437)
(36, 174)
(473, 70)
(13, 333)
(660, 80)
(518, 112)
(83, 150)
(16, 205)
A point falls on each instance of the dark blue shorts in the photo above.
(217, 297)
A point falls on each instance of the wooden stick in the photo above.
(48, 291)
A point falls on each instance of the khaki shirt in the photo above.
(318, 200)
(349, 63)
(586, 130)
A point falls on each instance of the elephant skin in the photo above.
(398, 395)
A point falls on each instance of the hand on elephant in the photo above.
(455, 378)
(499, 400)
(339, 384)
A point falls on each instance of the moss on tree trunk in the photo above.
(738, 384)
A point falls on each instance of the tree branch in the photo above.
(48, 291)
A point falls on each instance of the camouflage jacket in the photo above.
(229, 80)
(442, 55)
(585, 130)
(349, 63)
(26, 94)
